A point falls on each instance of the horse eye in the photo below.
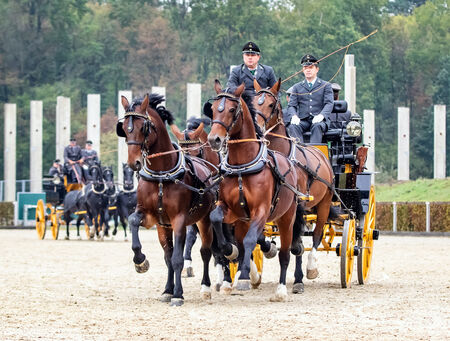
(232, 109)
(271, 105)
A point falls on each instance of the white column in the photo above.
(403, 144)
(93, 121)
(369, 140)
(36, 146)
(122, 148)
(350, 82)
(194, 100)
(439, 141)
(9, 154)
(160, 90)
(62, 125)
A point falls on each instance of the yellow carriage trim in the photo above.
(323, 147)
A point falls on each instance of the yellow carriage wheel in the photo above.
(54, 224)
(366, 243)
(40, 219)
(346, 252)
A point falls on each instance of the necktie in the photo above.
(310, 85)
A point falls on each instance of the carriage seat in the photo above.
(340, 115)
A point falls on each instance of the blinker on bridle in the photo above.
(261, 102)
(222, 97)
(148, 123)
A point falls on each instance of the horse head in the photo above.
(108, 177)
(138, 130)
(192, 137)
(226, 113)
(267, 104)
(128, 180)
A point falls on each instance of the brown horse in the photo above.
(256, 187)
(171, 192)
(314, 172)
(194, 140)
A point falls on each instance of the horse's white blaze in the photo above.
(254, 275)
(312, 259)
(219, 270)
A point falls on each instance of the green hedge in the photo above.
(6, 213)
(411, 216)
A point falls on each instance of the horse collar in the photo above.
(252, 167)
(169, 175)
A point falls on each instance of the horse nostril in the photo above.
(217, 140)
(138, 165)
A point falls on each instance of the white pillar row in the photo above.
(122, 148)
(194, 100)
(9, 153)
(439, 141)
(62, 125)
(160, 90)
(93, 121)
(369, 140)
(36, 146)
(350, 82)
(403, 144)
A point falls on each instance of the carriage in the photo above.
(354, 196)
(50, 212)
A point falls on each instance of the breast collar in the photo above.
(169, 175)
(252, 167)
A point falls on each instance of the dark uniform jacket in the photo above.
(241, 74)
(72, 153)
(90, 156)
(55, 171)
(307, 103)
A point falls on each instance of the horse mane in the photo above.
(193, 122)
(154, 100)
(248, 99)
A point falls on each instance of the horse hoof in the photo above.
(280, 295)
(78, 237)
(243, 285)
(272, 252)
(255, 276)
(225, 288)
(143, 267)
(255, 285)
(165, 298)
(66, 238)
(218, 285)
(190, 272)
(205, 292)
(234, 253)
(125, 239)
(298, 288)
(176, 302)
(312, 274)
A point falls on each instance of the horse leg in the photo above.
(297, 250)
(228, 249)
(323, 210)
(268, 248)
(67, 220)
(179, 230)
(285, 226)
(79, 218)
(249, 243)
(206, 235)
(166, 241)
(191, 237)
(140, 263)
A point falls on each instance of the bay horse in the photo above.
(258, 185)
(194, 140)
(172, 192)
(314, 172)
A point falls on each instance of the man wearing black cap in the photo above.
(311, 102)
(90, 157)
(338, 120)
(250, 69)
(56, 169)
(73, 159)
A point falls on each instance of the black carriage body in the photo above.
(54, 192)
(352, 186)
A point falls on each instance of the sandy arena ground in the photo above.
(90, 291)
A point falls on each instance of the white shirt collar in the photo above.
(312, 82)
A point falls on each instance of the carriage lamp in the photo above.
(56, 180)
(354, 128)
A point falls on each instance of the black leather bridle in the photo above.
(274, 108)
(223, 97)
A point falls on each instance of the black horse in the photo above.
(96, 200)
(75, 201)
(111, 193)
(126, 200)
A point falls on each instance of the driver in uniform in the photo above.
(72, 160)
(90, 157)
(56, 169)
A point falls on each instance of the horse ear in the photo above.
(217, 86)
(178, 134)
(239, 90)
(198, 131)
(276, 87)
(125, 103)
(144, 104)
(256, 85)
